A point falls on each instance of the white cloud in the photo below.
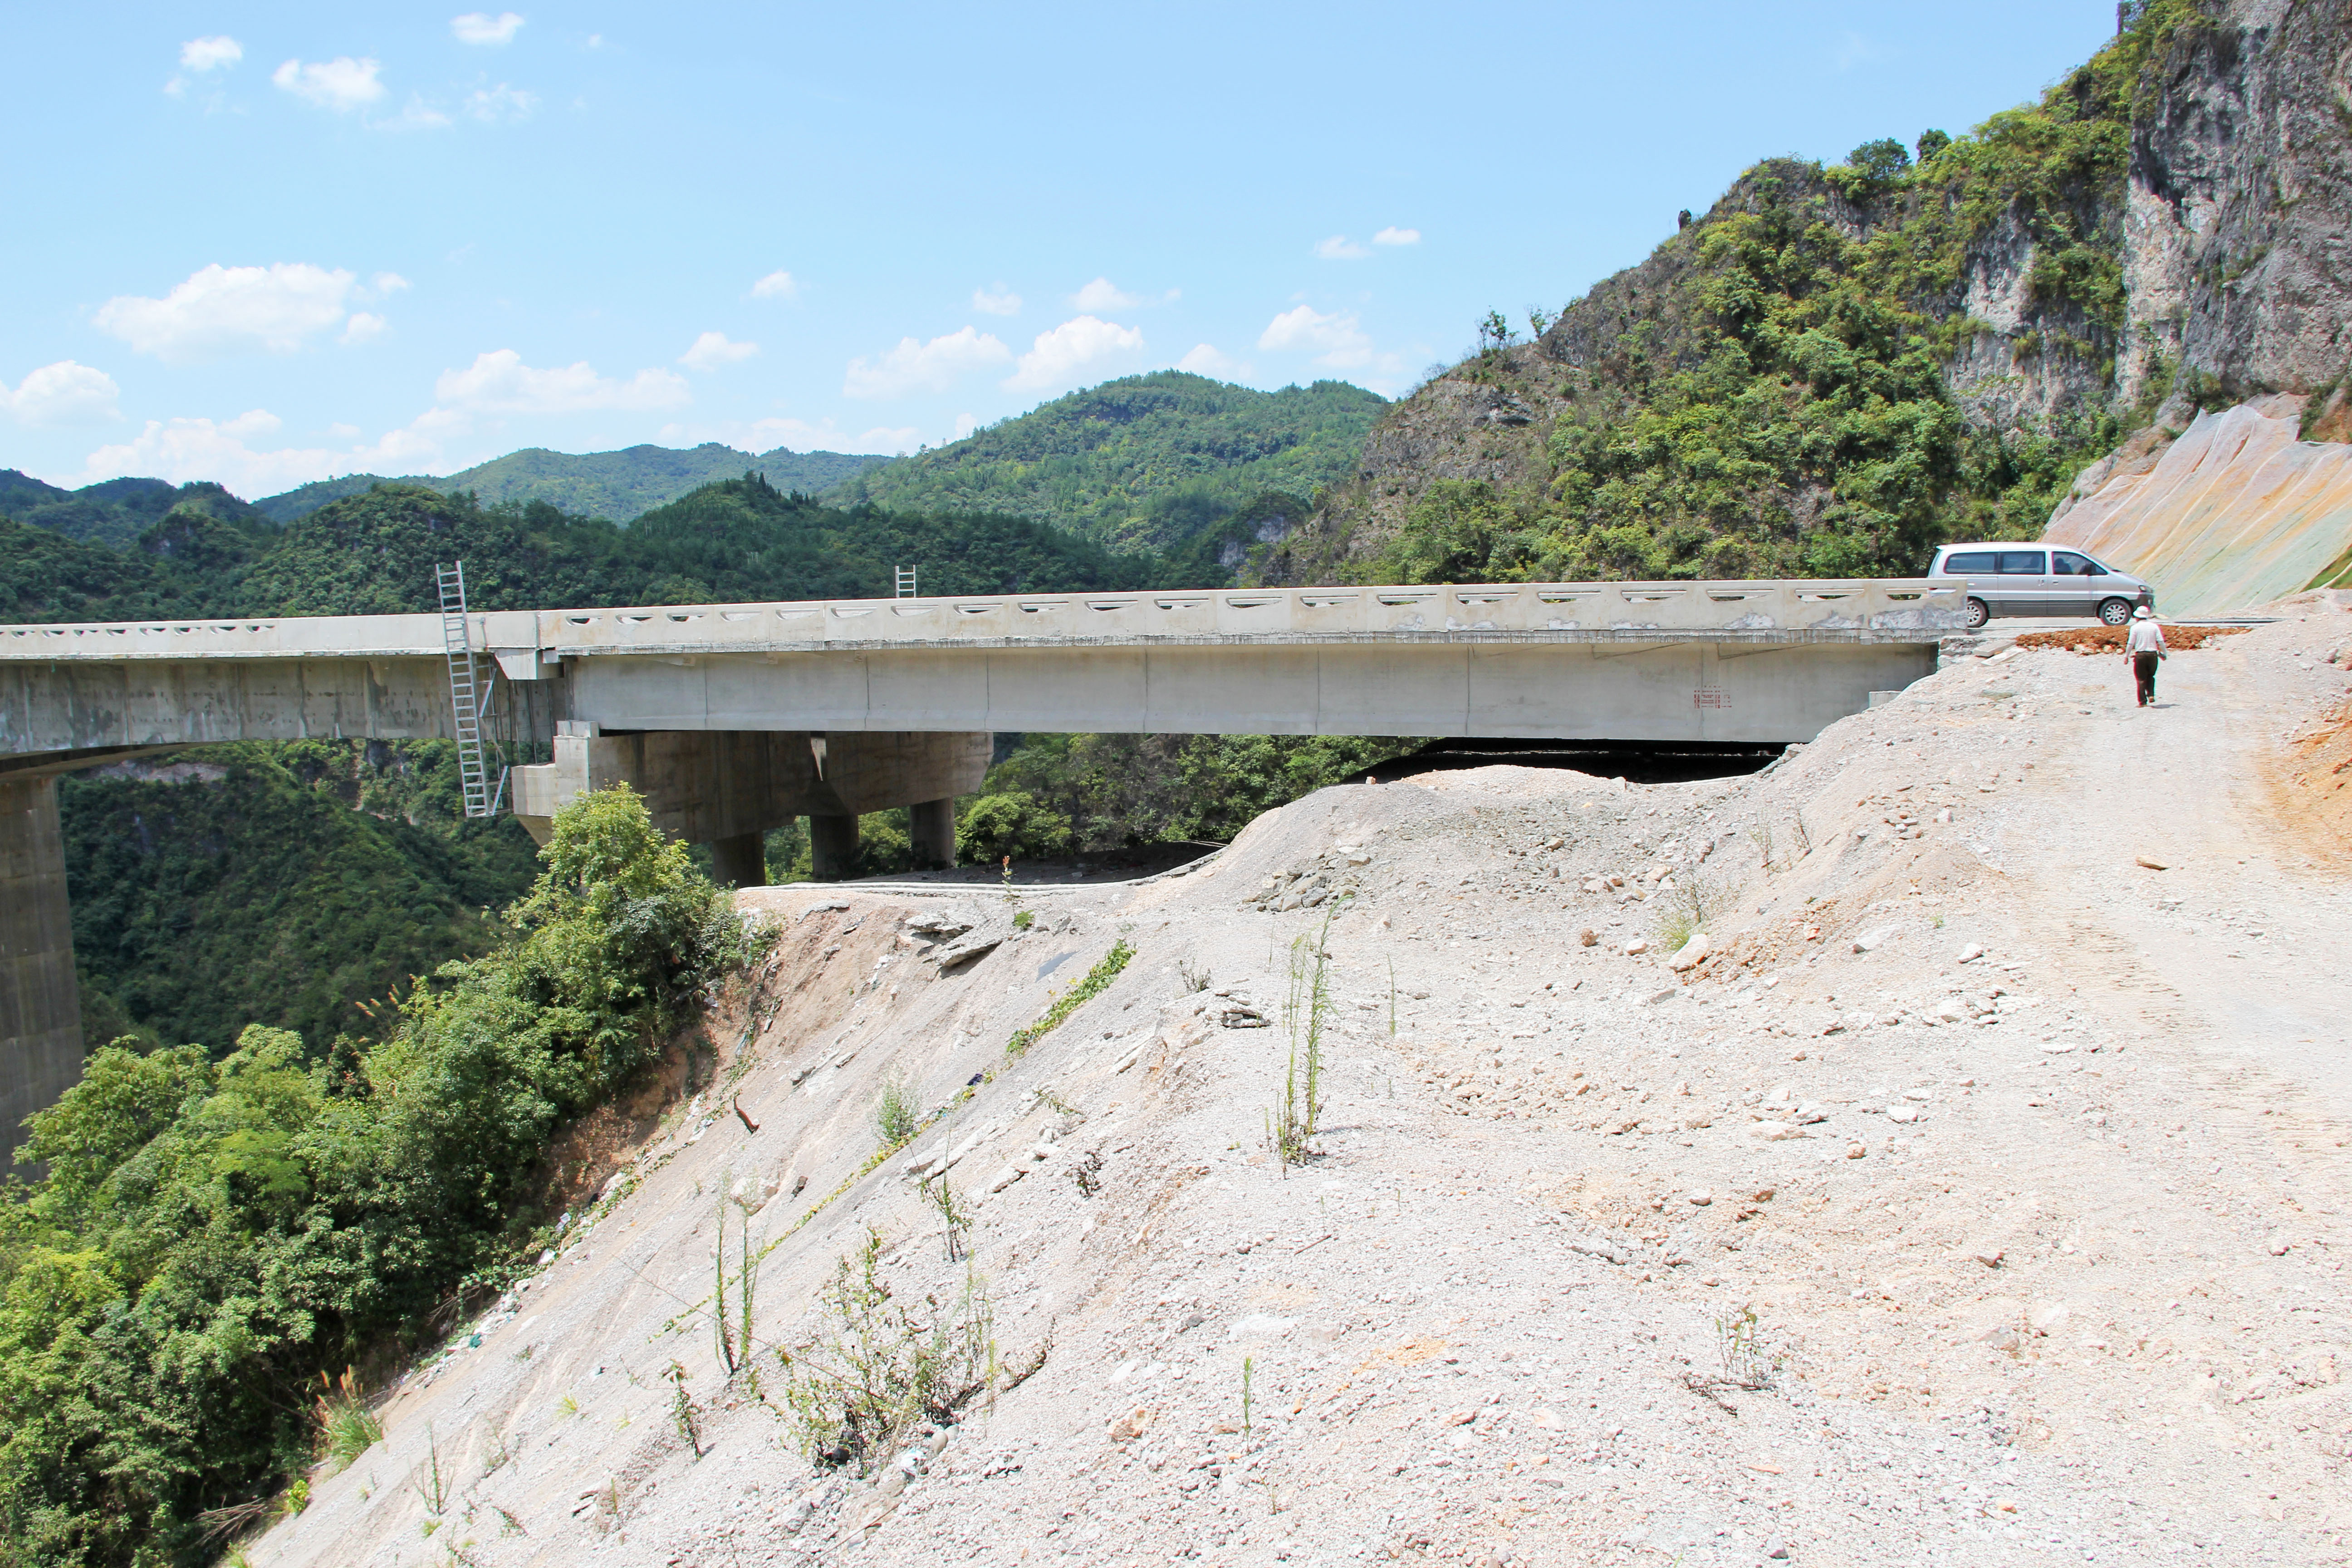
(1336, 339)
(221, 308)
(419, 115)
(1339, 247)
(1207, 360)
(340, 84)
(1103, 295)
(923, 367)
(776, 285)
(712, 350)
(1073, 352)
(387, 283)
(1394, 236)
(500, 104)
(1003, 303)
(197, 448)
(481, 27)
(965, 425)
(210, 54)
(65, 393)
(499, 382)
(363, 327)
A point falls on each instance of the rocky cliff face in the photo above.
(2239, 235)
(2197, 251)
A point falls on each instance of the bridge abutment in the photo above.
(40, 1009)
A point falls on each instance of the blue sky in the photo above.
(265, 245)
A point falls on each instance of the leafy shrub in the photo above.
(879, 1367)
(212, 1237)
(897, 1114)
(1014, 823)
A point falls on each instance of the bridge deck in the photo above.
(1873, 610)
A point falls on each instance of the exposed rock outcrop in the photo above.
(2209, 262)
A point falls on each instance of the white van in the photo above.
(2008, 578)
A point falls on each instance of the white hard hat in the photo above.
(2143, 613)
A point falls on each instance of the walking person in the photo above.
(2144, 649)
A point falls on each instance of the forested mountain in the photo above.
(373, 553)
(1150, 462)
(114, 511)
(1838, 367)
(619, 486)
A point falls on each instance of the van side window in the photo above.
(1968, 562)
(2066, 564)
(2023, 563)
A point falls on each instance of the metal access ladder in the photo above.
(466, 702)
(906, 582)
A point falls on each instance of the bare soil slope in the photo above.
(1980, 1198)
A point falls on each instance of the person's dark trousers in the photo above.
(2144, 671)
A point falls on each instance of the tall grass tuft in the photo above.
(346, 1427)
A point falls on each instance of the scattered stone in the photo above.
(1690, 954)
(1638, 945)
(1869, 940)
(1588, 937)
(1702, 1198)
(941, 923)
(2143, 861)
(1856, 1150)
(1970, 953)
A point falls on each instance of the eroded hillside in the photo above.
(1978, 1196)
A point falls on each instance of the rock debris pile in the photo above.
(1975, 1192)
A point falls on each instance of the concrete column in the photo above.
(833, 848)
(933, 825)
(741, 861)
(40, 1009)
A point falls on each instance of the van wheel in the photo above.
(1978, 614)
(2114, 612)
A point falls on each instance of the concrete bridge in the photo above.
(733, 718)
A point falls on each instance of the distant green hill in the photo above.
(622, 485)
(113, 511)
(1150, 462)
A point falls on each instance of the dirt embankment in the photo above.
(1979, 1197)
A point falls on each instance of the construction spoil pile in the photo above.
(1929, 1150)
(2110, 639)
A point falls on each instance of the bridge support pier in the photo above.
(728, 787)
(833, 846)
(741, 861)
(934, 833)
(40, 1009)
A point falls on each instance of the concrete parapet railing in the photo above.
(1871, 610)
